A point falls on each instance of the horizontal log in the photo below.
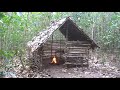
(49, 51)
(54, 50)
(55, 42)
(74, 61)
(49, 54)
(48, 43)
(78, 53)
(77, 42)
(53, 47)
(77, 47)
(74, 56)
(78, 59)
(66, 43)
(63, 41)
(88, 46)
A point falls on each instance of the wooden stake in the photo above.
(51, 44)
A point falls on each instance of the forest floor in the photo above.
(96, 69)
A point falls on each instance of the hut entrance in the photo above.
(54, 49)
(57, 49)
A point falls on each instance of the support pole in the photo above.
(51, 45)
(60, 46)
(66, 40)
(41, 59)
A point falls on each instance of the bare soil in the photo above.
(96, 69)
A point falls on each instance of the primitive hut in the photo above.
(62, 42)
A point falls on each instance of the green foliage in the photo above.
(1, 15)
(7, 54)
(17, 28)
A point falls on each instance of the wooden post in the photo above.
(41, 58)
(60, 46)
(51, 45)
(93, 32)
(88, 58)
(66, 41)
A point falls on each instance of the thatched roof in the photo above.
(42, 37)
(74, 33)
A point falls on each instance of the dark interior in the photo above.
(72, 32)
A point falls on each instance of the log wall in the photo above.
(77, 53)
(72, 52)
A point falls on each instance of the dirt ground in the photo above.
(91, 72)
(96, 69)
(62, 72)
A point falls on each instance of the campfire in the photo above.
(54, 60)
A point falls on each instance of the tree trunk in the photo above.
(93, 32)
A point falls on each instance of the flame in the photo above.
(54, 60)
